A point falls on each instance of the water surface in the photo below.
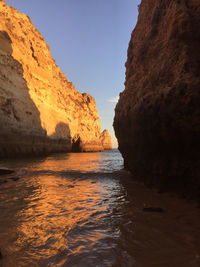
(82, 209)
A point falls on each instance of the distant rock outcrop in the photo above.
(105, 140)
(40, 110)
(157, 118)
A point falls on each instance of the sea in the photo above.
(84, 209)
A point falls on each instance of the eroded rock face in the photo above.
(105, 140)
(40, 110)
(157, 118)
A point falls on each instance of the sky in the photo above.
(88, 40)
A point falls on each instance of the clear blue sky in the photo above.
(88, 40)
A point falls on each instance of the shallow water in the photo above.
(82, 209)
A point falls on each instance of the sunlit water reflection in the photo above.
(83, 210)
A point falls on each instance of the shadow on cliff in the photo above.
(21, 131)
(61, 137)
(62, 131)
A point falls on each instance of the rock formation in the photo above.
(157, 118)
(40, 110)
(105, 140)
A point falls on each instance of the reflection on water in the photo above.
(62, 216)
(107, 162)
(80, 210)
(60, 211)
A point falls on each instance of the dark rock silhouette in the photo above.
(77, 144)
(157, 118)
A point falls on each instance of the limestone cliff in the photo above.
(157, 118)
(105, 140)
(40, 110)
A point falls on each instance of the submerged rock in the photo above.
(3, 181)
(153, 209)
(157, 118)
(15, 178)
(5, 171)
(40, 110)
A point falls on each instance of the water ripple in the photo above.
(71, 211)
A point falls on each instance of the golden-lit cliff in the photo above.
(105, 139)
(40, 110)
